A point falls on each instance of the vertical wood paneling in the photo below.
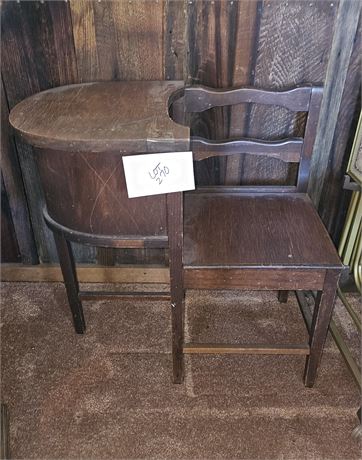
(174, 39)
(9, 245)
(293, 47)
(37, 53)
(246, 33)
(13, 187)
(214, 29)
(118, 40)
(332, 207)
(342, 46)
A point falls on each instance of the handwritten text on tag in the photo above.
(156, 173)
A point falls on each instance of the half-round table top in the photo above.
(125, 116)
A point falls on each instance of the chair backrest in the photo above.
(291, 150)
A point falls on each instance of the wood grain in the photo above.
(87, 273)
(38, 53)
(128, 117)
(260, 230)
(247, 29)
(213, 29)
(14, 192)
(120, 40)
(292, 47)
(9, 245)
(174, 39)
(254, 349)
(253, 279)
(333, 203)
(342, 46)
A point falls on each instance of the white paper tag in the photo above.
(156, 173)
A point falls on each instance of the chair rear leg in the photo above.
(321, 318)
(283, 296)
(67, 266)
(177, 307)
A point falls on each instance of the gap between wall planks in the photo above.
(277, 43)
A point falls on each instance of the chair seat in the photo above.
(261, 230)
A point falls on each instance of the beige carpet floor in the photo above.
(109, 394)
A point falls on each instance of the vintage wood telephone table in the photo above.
(261, 238)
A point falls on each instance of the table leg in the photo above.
(67, 266)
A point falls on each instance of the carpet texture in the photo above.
(109, 393)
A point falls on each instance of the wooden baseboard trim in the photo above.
(86, 273)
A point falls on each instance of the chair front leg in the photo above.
(321, 318)
(67, 266)
(283, 296)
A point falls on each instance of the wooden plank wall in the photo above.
(270, 43)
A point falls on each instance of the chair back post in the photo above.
(309, 138)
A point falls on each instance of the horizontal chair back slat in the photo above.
(200, 98)
(287, 150)
(306, 98)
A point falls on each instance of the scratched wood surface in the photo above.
(270, 43)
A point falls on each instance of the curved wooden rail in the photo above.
(111, 241)
(200, 98)
(287, 150)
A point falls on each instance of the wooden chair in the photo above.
(260, 238)
(80, 133)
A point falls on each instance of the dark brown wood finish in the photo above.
(102, 207)
(292, 150)
(321, 318)
(22, 230)
(253, 278)
(81, 132)
(47, 44)
(37, 53)
(240, 238)
(9, 245)
(128, 117)
(309, 139)
(201, 98)
(283, 296)
(67, 265)
(175, 233)
(288, 150)
(256, 229)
